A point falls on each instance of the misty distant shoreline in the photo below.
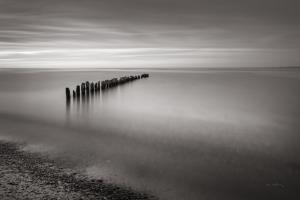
(179, 69)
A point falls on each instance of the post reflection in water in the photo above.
(112, 94)
(81, 107)
(188, 135)
(68, 109)
(87, 94)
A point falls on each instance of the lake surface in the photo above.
(178, 134)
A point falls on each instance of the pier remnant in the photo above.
(68, 94)
(98, 87)
(82, 89)
(94, 87)
(78, 91)
(87, 86)
(144, 75)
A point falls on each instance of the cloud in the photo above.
(49, 28)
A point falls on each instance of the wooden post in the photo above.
(99, 86)
(83, 89)
(68, 94)
(92, 87)
(87, 86)
(78, 91)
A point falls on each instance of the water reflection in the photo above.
(68, 109)
(89, 92)
(184, 135)
(80, 107)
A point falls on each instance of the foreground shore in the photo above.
(26, 175)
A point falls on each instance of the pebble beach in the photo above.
(25, 175)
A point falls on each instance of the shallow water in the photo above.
(178, 134)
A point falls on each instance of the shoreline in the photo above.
(25, 175)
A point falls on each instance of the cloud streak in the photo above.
(41, 33)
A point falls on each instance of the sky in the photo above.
(149, 33)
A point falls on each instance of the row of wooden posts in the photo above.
(87, 87)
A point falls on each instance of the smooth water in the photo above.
(178, 134)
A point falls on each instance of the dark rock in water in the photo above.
(74, 94)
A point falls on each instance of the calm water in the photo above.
(179, 134)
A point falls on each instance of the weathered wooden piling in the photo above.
(87, 86)
(96, 86)
(78, 91)
(113, 82)
(103, 85)
(144, 75)
(92, 87)
(68, 94)
(99, 86)
(83, 89)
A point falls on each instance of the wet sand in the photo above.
(25, 175)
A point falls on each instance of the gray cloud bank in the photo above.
(104, 33)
